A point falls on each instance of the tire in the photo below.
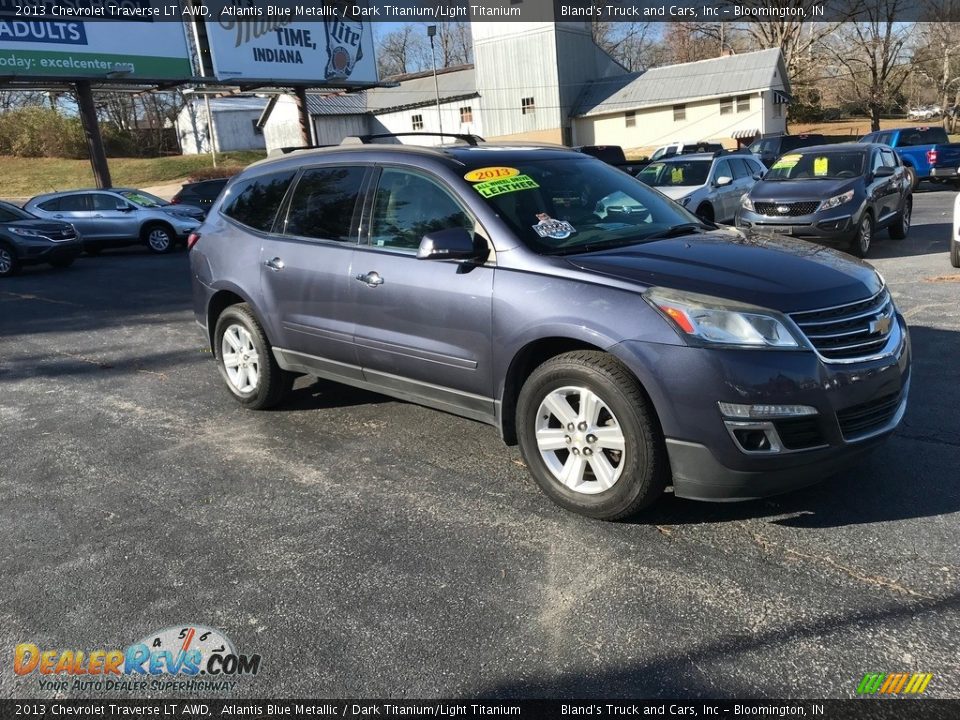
(901, 226)
(630, 478)
(705, 212)
(62, 263)
(912, 179)
(9, 265)
(159, 238)
(955, 253)
(860, 245)
(261, 383)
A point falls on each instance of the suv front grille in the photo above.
(849, 332)
(862, 419)
(796, 209)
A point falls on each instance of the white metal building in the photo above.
(549, 82)
(234, 124)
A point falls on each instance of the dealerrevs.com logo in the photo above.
(184, 658)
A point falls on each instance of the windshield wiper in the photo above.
(678, 230)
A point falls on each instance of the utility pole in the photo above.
(431, 32)
(91, 129)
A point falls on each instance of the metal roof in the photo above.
(416, 90)
(228, 104)
(717, 77)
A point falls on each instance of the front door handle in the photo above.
(274, 264)
(371, 279)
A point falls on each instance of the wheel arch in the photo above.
(530, 356)
(220, 300)
(152, 223)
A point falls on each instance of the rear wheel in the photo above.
(9, 265)
(159, 238)
(861, 243)
(901, 226)
(955, 253)
(590, 437)
(912, 178)
(245, 360)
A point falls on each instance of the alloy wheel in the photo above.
(159, 240)
(866, 234)
(580, 440)
(240, 359)
(6, 261)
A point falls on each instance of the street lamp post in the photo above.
(431, 32)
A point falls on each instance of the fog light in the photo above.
(752, 440)
(764, 412)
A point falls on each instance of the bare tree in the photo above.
(871, 55)
(399, 51)
(937, 56)
(632, 44)
(454, 43)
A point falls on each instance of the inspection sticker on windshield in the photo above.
(492, 188)
(820, 166)
(550, 228)
(490, 173)
(786, 162)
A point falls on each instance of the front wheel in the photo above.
(912, 180)
(955, 253)
(590, 436)
(705, 212)
(901, 226)
(861, 243)
(245, 360)
(9, 265)
(159, 239)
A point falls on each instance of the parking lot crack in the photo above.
(881, 581)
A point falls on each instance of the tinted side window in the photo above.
(73, 203)
(722, 169)
(408, 206)
(889, 158)
(255, 202)
(50, 205)
(323, 203)
(740, 168)
(877, 161)
(102, 201)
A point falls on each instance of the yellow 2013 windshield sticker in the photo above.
(490, 173)
(820, 166)
(492, 188)
(676, 175)
(786, 162)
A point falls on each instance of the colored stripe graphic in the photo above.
(894, 683)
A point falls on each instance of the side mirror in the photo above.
(883, 171)
(127, 207)
(451, 244)
(724, 180)
(758, 176)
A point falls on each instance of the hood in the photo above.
(799, 190)
(779, 273)
(51, 228)
(188, 210)
(675, 192)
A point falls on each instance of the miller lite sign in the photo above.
(344, 47)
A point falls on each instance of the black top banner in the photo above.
(854, 709)
(266, 12)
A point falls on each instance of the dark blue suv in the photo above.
(625, 344)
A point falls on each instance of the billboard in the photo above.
(148, 48)
(333, 48)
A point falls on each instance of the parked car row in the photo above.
(54, 228)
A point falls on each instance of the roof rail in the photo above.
(472, 140)
(737, 151)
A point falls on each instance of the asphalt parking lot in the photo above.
(368, 547)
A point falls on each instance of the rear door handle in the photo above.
(274, 264)
(371, 279)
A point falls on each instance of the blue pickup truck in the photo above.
(921, 149)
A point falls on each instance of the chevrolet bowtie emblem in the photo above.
(881, 325)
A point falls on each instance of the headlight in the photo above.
(26, 232)
(705, 319)
(685, 200)
(836, 200)
(746, 203)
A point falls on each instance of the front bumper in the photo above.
(687, 383)
(837, 224)
(46, 251)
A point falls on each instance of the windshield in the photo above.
(143, 199)
(672, 174)
(576, 205)
(11, 213)
(829, 165)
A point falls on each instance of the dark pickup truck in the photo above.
(921, 149)
(613, 155)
